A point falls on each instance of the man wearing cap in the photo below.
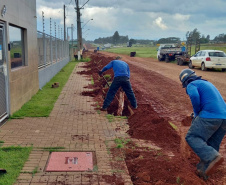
(208, 126)
(121, 79)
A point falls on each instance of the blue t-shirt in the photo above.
(120, 68)
(206, 100)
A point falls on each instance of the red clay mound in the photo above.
(146, 124)
(174, 163)
(187, 121)
(155, 167)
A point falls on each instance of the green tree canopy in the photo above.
(115, 38)
(169, 40)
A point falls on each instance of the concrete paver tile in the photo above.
(77, 178)
(52, 178)
(36, 179)
(73, 124)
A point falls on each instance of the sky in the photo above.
(139, 19)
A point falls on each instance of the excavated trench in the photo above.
(165, 158)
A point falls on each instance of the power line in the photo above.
(84, 4)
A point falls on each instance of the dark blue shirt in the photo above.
(120, 68)
(206, 100)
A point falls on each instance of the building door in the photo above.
(3, 74)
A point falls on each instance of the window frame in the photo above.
(23, 31)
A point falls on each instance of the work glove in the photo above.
(100, 73)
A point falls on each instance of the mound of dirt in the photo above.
(157, 167)
(146, 124)
(175, 163)
(187, 121)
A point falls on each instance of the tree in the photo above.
(116, 38)
(220, 38)
(169, 40)
(133, 41)
(208, 37)
(194, 36)
(123, 39)
(203, 40)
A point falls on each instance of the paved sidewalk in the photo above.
(73, 124)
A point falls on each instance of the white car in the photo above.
(208, 59)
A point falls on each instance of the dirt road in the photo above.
(172, 71)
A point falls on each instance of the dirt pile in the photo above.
(146, 124)
(147, 165)
(187, 121)
(150, 166)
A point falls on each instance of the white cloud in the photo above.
(103, 18)
(127, 11)
(138, 19)
(159, 22)
(181, 17)
(50, 12)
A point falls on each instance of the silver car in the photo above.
(205, 59)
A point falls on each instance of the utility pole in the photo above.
(78, 29)
(72, 29)
(64, 24)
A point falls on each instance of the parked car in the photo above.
(208, 59)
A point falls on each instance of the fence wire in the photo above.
(51, 49)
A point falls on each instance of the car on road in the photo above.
(207, 59)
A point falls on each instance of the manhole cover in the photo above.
(70, 161)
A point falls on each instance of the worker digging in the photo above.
(208, 126)
(121, 79)
(157, 123)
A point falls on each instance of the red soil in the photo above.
(158, 104)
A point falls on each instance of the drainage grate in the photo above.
(70, 161)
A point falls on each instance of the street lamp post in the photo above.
(87, 23)
(81, 30)
(86, 31)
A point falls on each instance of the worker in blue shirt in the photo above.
(208, 126)
(121, 79)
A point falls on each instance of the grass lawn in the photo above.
(12, 159)
(146, 52)
(151, 51)
(41, 104)
(221, 47)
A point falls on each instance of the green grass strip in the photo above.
(12, 159)
(42, 103)
(145, 52)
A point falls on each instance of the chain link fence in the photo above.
(51, 49)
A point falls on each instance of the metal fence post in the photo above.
(51, 47)
(47, 52)
(44, 49)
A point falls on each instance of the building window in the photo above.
(16, 37)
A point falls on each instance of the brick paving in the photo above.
(73, 124)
